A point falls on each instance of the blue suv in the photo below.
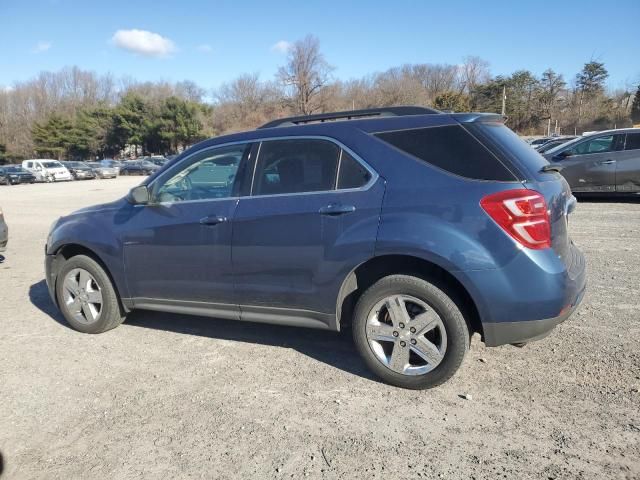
(416, 228)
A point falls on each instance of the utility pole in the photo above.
(504, 99)
(549, 127)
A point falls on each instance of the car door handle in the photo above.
(335, 209)
(212, 220)
(607, 162)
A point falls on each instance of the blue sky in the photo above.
(211, 42)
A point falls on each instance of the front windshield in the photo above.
(51, 164)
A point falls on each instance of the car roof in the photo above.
(340, 127)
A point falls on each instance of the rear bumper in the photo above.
(527, 298)
(496, 334)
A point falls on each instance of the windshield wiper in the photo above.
(551, 168)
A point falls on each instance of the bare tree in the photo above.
(473, 71)
(305, 75)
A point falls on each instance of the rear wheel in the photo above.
(409, 332)
(86, 296)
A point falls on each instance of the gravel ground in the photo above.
(175, 396)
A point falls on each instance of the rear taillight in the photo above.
(522, 214)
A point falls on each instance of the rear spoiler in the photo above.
(479, 117)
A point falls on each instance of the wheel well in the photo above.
(376, 268)
(70, 250)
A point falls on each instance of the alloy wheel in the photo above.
(406, 335)
(82, 296)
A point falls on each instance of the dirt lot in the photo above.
(185, 397)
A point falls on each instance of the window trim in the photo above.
(509, 169)
(259, 141)
(366, 186)
(180, 166)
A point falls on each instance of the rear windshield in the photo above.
(509, 147)
(450, 148)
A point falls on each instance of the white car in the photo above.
(47, 170)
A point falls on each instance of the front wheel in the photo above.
(409, 332)
(86, 296)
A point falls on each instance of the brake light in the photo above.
(522, 214)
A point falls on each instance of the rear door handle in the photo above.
(607, 162)
(212, 220)
(334, 209)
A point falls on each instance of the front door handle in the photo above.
(212, 220)
(334, 209)
(607, 162)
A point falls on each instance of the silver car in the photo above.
(103, 171)
(602, 162)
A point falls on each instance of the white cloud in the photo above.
(205, 48)
(41, 47)
(281, 47)
(143, 42)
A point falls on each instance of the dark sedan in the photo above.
(80, 170)
(13, 174)
(603, 162)
(138, 167)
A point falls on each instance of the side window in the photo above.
(352, 173)
(207, 175)
(450, 148)
(633, 141)
(29, 165)
(295, 166)
(596, 145)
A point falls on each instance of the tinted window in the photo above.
(293, 166)
(352, 173)
(452, 149)
(208, 175)
(633, 141)
(595, 145)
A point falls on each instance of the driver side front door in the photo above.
(177, 249)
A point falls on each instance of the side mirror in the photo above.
(563, 155)
(139, 195)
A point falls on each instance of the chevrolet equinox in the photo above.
(414, 227)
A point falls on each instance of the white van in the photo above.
(46, 170)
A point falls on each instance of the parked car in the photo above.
(552, 144)
(80, 170)
(138, 167)
(102, 171)
(47, 170)
(111, 163)
(416, 227)
(4, 232)
(158, 160)
(13, 174)
(536, 142)
(604, 162)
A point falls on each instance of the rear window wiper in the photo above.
(551, 168)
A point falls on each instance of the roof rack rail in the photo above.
(350, 115)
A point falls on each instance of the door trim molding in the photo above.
(250, 313)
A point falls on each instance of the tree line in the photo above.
(79, 114)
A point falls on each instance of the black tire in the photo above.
(454, 324)
(111, 314)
